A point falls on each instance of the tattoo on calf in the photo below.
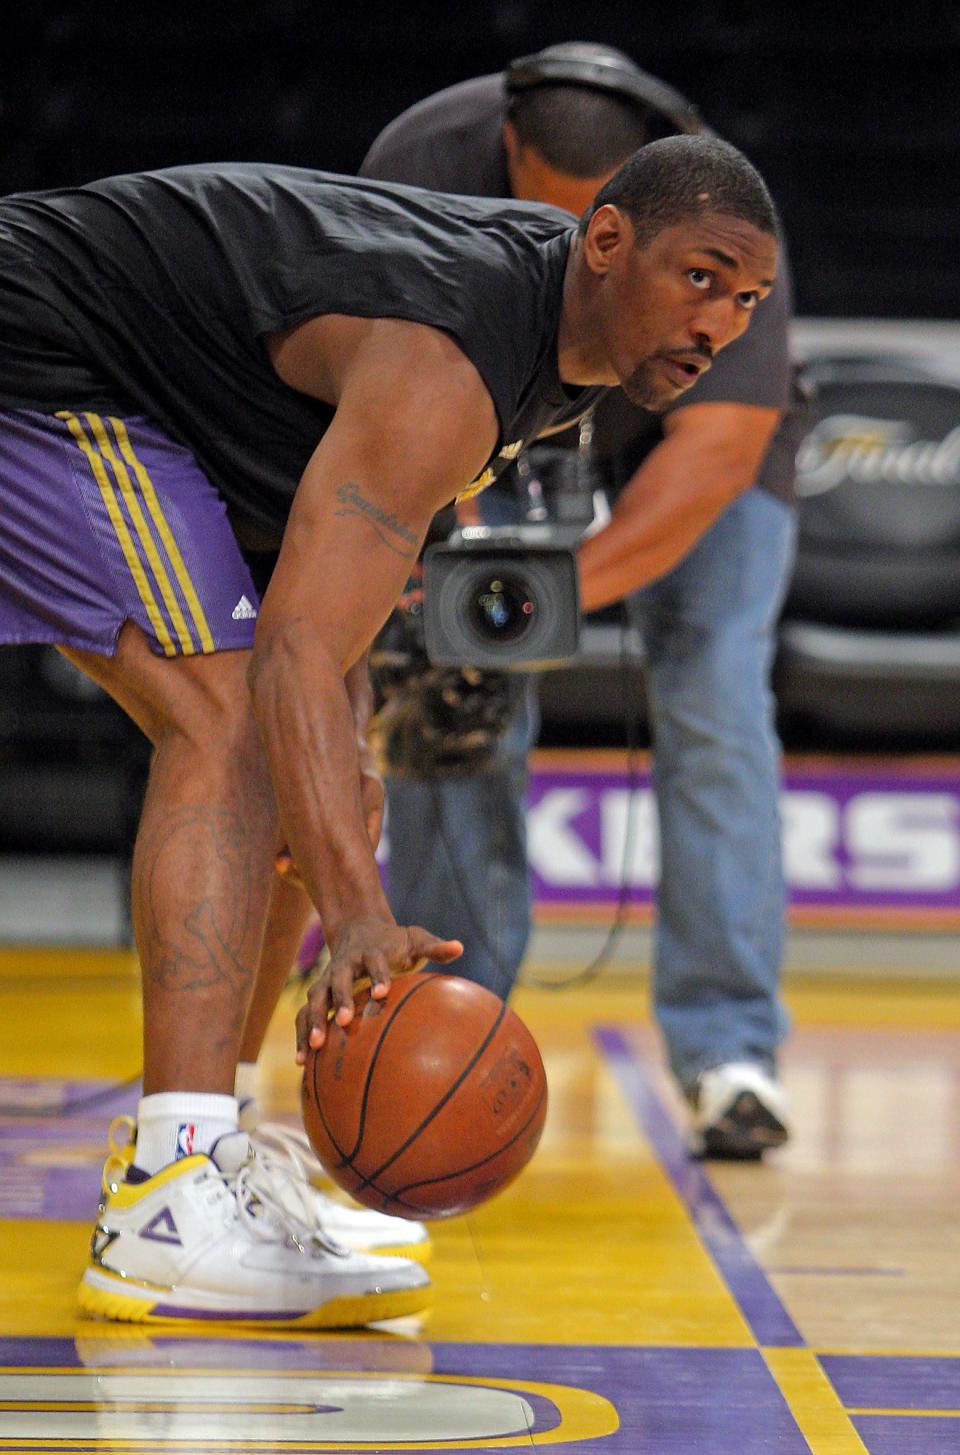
(197, 941)
(353, 503)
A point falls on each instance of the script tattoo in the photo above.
(353, 503)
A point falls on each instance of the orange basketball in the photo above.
(429, 1101)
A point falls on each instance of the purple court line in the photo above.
(888, 1382)
(768, 1320)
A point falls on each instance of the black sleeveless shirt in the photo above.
(149, 294)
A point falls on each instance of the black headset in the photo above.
(600, 67)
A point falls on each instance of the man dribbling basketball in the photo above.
(208, 361)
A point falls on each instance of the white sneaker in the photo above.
(739, 1111)
(287, 1155)
(209, 1238)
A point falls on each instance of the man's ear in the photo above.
(607, 232)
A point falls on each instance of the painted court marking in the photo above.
(843, 1404)
(125, 1388)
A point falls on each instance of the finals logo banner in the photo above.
(867, 842)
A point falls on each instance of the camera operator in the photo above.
(703, 525)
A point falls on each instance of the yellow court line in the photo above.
(814, 1403)
(875, 1002)
(912, 1414)
(129, 494)
(166, 535)
(28, 963)
(122, 531)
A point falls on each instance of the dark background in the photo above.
(851, 113)
(853, 119)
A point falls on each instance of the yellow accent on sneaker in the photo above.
(122, 1125)
(109, 1296)
(225, 1238)
(100, 1303)
(337, 1216)
(126, 1194)
(121, 1154)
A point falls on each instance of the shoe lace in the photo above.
(288, 1143)
(276, 1201)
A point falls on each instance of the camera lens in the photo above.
(501, 608)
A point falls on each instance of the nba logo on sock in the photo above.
(185, 1133)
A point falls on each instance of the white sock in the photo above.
(175, 1124)
(245, 1090)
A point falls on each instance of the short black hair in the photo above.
(578, 130)
(681, 177)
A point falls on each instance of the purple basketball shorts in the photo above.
(106, 520)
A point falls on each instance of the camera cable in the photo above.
(628, 630)
(589, 972)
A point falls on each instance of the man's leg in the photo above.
(709, 636)
(288, 915)
(217, 929)
(458, 856)
(211, 1232)
(203, 860)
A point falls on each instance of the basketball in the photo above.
(429, 1101)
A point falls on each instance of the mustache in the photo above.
(700, 358)
(639, 387)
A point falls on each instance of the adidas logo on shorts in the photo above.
(243, 611)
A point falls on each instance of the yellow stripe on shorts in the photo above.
(123, 534)
(132, 499)
(136, 493)
(166, 536)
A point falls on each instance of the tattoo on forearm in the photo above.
(353, 503)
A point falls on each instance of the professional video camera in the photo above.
(506, 596)
(489, 603)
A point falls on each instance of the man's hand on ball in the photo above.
(368, 951)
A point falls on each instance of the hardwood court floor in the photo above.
(619, 1299)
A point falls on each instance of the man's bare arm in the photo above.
(709, 455)
(413, 422)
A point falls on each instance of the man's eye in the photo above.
(747, 300)
(700, 278)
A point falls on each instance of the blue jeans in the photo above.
(458, 856)
(709, 639)
(458, 847)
